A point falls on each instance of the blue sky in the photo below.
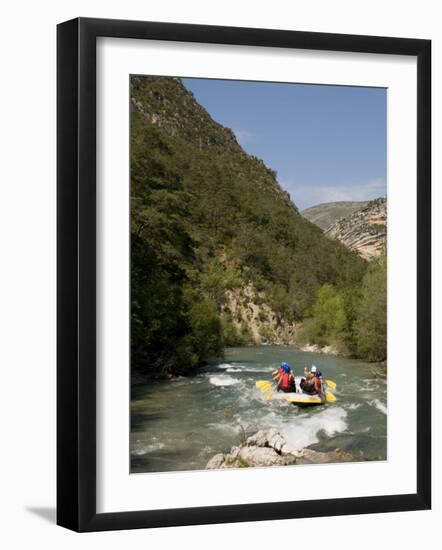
(327, 143)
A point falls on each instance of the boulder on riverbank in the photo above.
(269, 448)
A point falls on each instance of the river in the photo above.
(180, 424)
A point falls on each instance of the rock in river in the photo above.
(269, 448)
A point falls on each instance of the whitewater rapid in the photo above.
(180, 424)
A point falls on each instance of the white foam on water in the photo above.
(379, 405)
(361, 387)
(227, 427)
(147, 449)
(304, 430)
(259, 369)
(353, 406)
(223, 380)
(235, 367)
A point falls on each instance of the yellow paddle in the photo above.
(329, 397)
(265, 386)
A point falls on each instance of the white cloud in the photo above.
(309, 195)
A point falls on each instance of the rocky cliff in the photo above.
(364, 231)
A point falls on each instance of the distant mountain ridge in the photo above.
(324, 215)
(364, 231)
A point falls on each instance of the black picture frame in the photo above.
(76, 273)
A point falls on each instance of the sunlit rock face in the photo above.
(364, 231)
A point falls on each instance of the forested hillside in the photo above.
(220, 255)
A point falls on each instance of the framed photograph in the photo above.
(243, 274)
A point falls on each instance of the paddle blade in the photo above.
(264, 385)
(331, 384)
(329, 397)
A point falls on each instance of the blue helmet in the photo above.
(285, 367)
(318, 373)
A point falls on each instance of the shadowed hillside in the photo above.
(220, 254)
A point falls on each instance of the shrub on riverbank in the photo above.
(354, 319)
(371, 322)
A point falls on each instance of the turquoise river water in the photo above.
(180, 424)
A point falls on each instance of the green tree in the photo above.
(217, 278)
(371, 323)
(329, 312)
(351, 298)
(231, 335)
(205, 335)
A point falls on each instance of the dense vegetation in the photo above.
(353, 318)
(208, 219)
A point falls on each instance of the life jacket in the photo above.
(308, 388)
(285, 382)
